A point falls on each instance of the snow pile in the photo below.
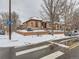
(58, 30)
(31, 31)
(22, 30)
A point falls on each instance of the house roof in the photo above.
(39, 19)
(35, 18)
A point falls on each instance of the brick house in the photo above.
(40, 24)
(33, 23)
(36, 24)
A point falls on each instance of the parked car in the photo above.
(75, 33)
(29, 29)
(68, 33)
(72, 33)
(2, 32)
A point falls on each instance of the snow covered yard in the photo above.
(36, 38)
(20, 40)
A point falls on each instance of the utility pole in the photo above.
(9, 19)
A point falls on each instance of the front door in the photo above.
(44, 25)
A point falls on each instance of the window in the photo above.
(36, 24)
(31, 23)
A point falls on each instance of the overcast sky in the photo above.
(25, 8)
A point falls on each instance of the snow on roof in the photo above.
(32, 18)
(36, 18)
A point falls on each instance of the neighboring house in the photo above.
(20, 27)
(33, 23)
(36, 23)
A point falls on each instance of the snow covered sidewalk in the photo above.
(20, 40)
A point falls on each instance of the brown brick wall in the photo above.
(33, 24)
(37, 33)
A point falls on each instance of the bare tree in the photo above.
(70, 8)
(14, 20)
(75, 20)
(52, 9)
